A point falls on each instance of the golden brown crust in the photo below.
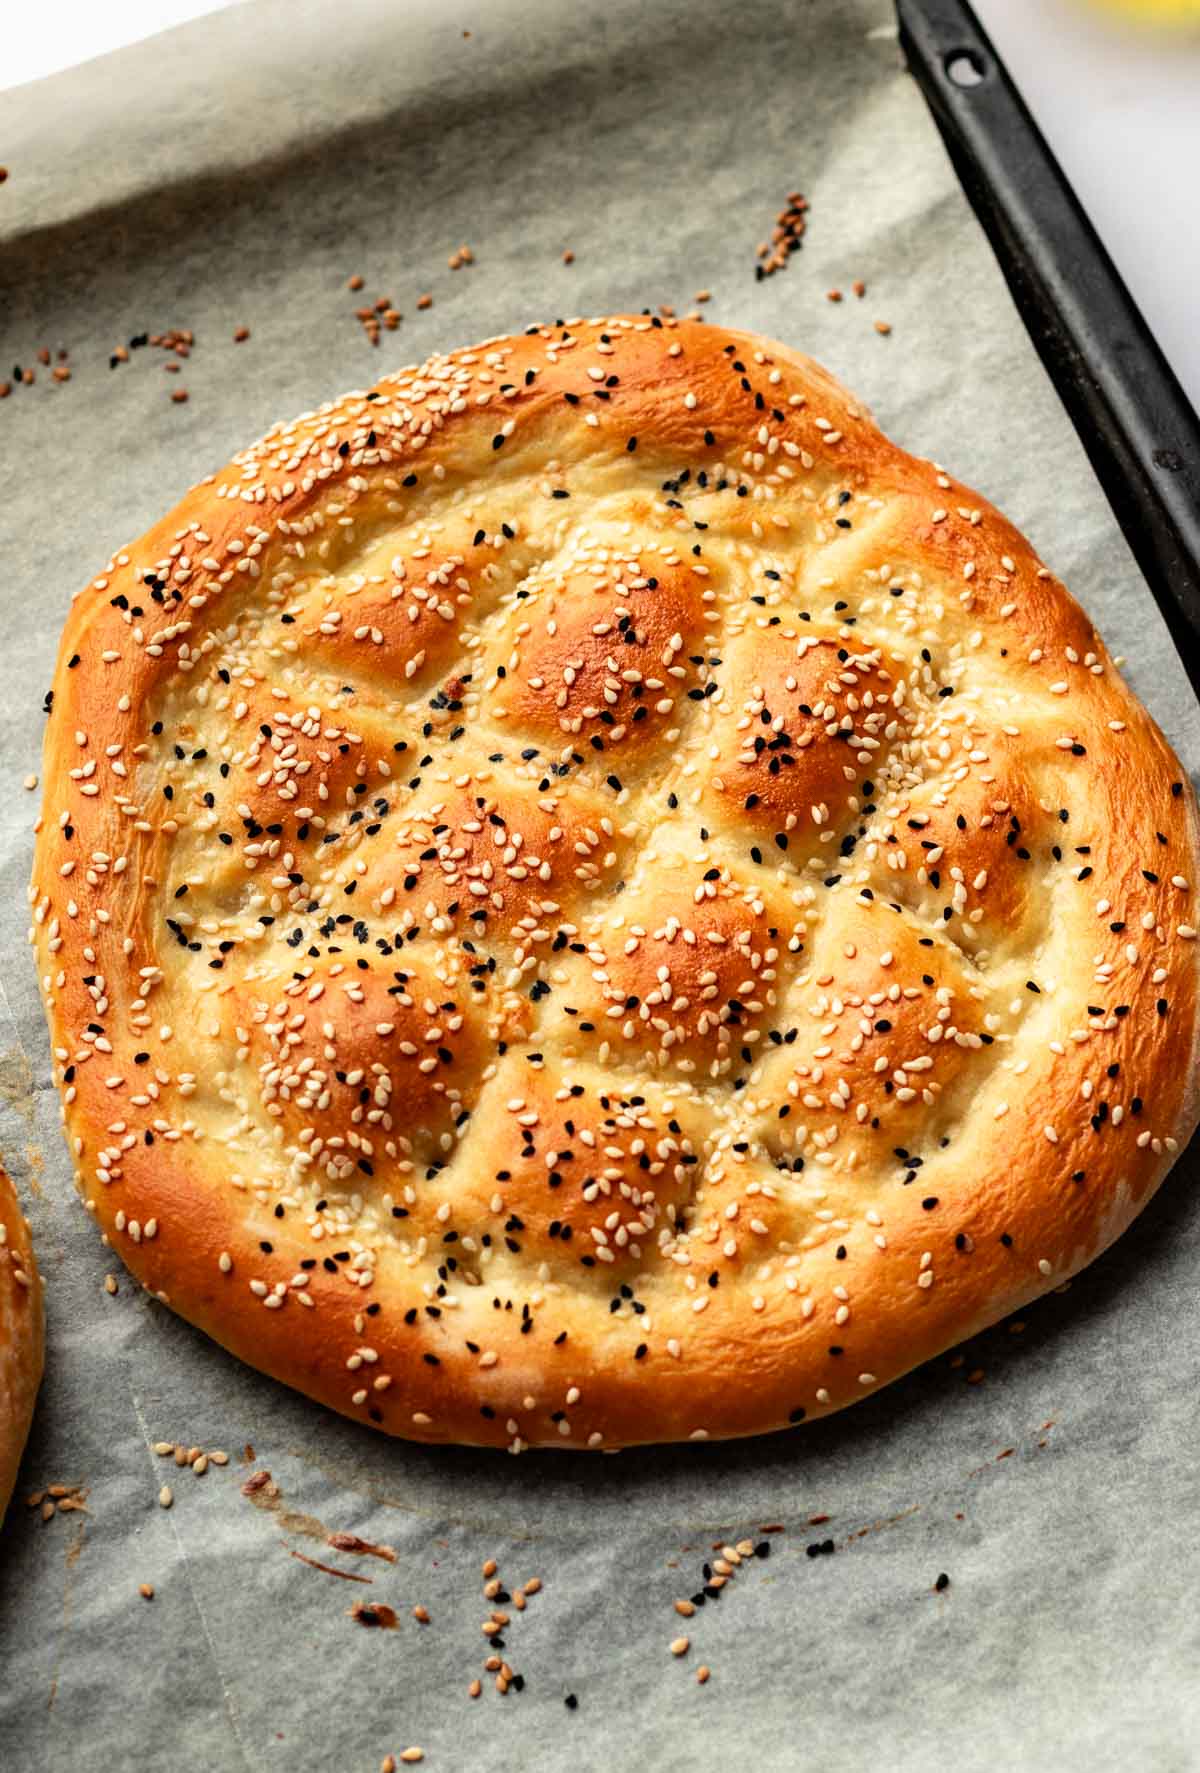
(585, 897)
(20, 1336)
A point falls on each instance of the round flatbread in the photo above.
(586, 897)
(20, 1336)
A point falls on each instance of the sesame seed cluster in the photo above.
(585, 897)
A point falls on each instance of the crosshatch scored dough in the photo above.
(585, 897)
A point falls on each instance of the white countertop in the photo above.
(1120, 107)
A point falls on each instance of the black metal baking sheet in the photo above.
(1132, 416)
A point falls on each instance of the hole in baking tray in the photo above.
(965, 67)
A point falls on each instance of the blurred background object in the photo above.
(1153, 12)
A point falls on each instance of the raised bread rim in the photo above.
(742, 1370)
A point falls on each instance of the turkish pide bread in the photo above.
(585, 897)
(20, 1336)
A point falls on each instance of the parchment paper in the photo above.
(237, 172)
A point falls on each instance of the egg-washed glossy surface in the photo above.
(20, 1336)
(585, 897)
